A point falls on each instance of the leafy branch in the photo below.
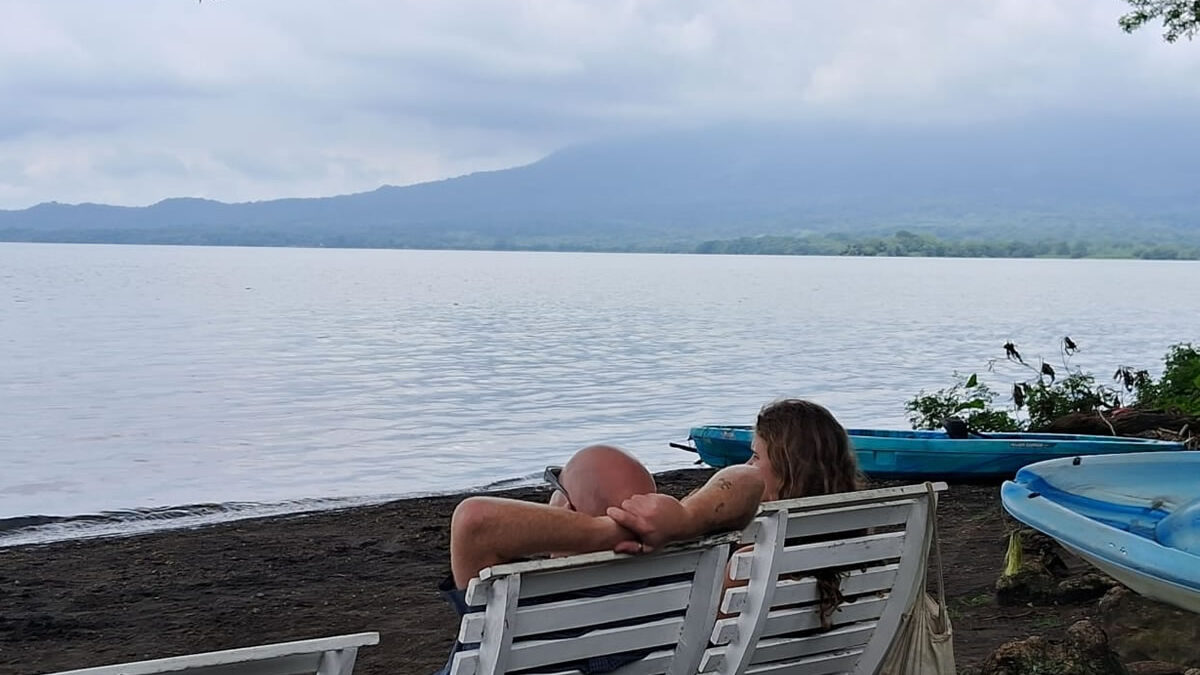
(1048, 394)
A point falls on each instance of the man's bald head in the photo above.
(600, 476)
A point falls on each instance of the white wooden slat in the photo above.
(581, 559)
(567, 579)
(581, 612)
(851, 636)
(824, 664)
(290, 654)
(743, 632)
(781, 621)
(295, 664)
(848, 518)
(465, 662)
(705, 595)
(843, 552)
(340, 662)
(833, 553)
(835, 500)
(913, 561)
(714, 661)
(742, 564)
(536, 653)
(655, 663)
(798, 591)
(494, 648)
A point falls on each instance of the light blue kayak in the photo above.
(1136, 517)
(924, 455)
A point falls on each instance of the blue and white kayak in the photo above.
(924, 455)
(1135, 517)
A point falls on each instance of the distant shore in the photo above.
(84, 603)
(893, 246)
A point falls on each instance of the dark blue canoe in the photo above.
(922, 455)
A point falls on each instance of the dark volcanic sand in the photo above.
(95, 602)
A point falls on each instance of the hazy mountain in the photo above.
(1067, 179)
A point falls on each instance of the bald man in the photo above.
(609, 503)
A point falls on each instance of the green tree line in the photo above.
(905, 243)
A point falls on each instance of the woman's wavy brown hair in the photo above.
(808, 448)
(811, 455)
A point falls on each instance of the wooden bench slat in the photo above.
(536, 653)
(290, 657)
(818, 555)
(843, 638)
(781, 621)
(845, 552)
(588, 575)
(577, 612)
(802, 618)
(707, 586)
(655, 663)
(825, 664)
(583, 559)
(848, 519)
(850, 637)
(800, 504)
(798, 591)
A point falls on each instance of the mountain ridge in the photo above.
(1066, 180)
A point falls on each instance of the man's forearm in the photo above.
(486, 531)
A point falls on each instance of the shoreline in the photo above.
(91, 602)
(1177, 252)
(37, 529)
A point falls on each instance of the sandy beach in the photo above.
(94, 602)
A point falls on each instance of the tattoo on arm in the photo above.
(724, 484)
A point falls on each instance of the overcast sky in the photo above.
(133, 101)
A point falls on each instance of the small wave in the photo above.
(41, 529)
(506, 483)
(44, 529)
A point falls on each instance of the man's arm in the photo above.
(728, 501)
(487, 531)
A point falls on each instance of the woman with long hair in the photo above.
(801, 450)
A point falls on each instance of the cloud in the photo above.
(140, 100)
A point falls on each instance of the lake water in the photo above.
(238, 381)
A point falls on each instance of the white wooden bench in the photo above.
(665, 608)
(878, 540)
(322, 656)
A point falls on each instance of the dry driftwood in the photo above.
(1130, 422)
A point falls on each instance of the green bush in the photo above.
(1179, 387)
(1046, 397)
(969, 399)
(1077, 392)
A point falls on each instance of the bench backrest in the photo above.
(322, 656)
(876, 540)
(655, 610)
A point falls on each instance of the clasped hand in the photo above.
(655, 519)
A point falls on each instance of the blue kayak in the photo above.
(926, 455)
(1136, 517)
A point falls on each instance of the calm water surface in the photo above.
(142, 377)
